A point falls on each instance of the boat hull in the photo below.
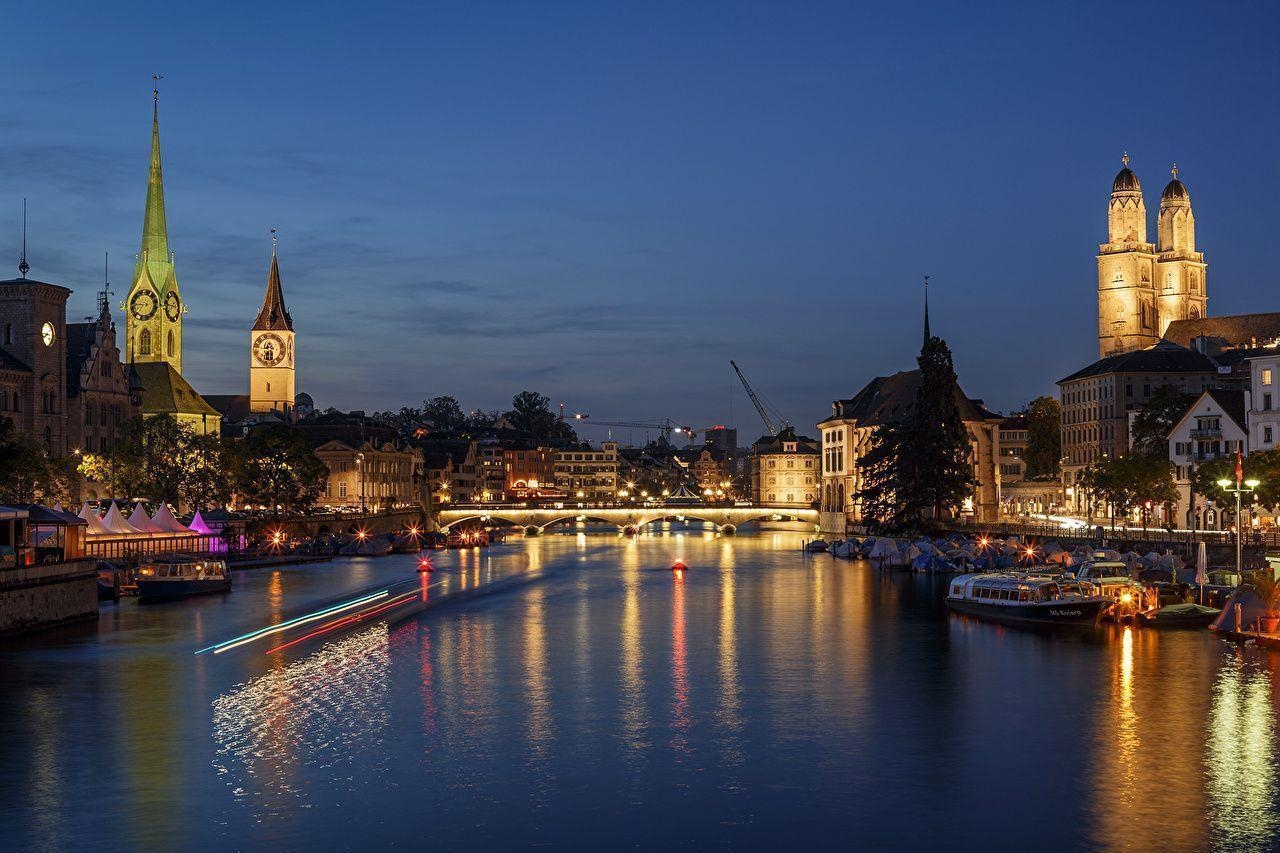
(1081, 612)
(168, 590)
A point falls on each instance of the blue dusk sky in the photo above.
(606, 202)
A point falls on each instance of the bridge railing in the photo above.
(624, 505)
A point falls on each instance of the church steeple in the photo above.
(155, 235)
(273, 316)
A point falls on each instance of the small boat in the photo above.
(817, 546)
(1181, 616)
(1027, 599)
(678, 566)
(424, 563)
(181, 576)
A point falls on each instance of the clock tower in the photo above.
(271, 365)
(154, 308)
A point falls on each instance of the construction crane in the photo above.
(664, 425)
(755, 401)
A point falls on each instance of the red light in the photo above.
(678, 566)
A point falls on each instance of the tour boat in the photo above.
(180, 576)
(1118, 582)
(1026, 599)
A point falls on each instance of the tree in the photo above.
(920, 467)
(1133, 482)
(276, 468)
(444, 414)
(26, 469)
(1157, 417)
(1263, 466)
(531, 412)
(1044, 438)
(163, 459)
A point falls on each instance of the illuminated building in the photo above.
(1144, 287)
(785, 470)
(271, 355)
(594, 473)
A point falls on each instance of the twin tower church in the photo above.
(155, 311)
(1143, 287)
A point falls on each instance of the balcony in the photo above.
(1206, 434)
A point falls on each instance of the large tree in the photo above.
(27, 471)
(276, 468)
(444, 414)
(1044, 438)
(163, 459)
(921, 467)
(531, 412)
(1156, 418)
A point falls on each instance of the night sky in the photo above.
(606, 202)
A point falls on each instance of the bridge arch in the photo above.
(585, 516)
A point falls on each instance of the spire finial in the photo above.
(274, 238)
(1175, 170)
(23, 266)
(155, 87)
(1125, 159)
(104, 295)
(926, 311)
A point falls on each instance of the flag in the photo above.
(1239, 467)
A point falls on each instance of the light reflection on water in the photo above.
(568, 691)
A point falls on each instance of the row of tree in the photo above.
(161, 458)
(530, 412)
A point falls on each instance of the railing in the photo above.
(1153, 535)
(1207, 434)
(115, 549)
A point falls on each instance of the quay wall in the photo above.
(313, 525)
(34, 597)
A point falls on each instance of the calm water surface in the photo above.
(566, 692)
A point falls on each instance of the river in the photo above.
(568, 692)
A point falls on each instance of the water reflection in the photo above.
(679, 670)
(324, 711)
(538, 718)
(1240, 754)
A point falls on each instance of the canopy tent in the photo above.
(197, 525)
(141, 521)
(90, 516)
(56, 535)
(164, 521)
(115, 523)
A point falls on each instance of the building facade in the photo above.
(1143, 287)
(101, 399)
(786, 470)
(33, 369)
(530, 470)
(1214, 427)
(1264, 411)
(588, 473)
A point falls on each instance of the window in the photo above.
(169, 343)
(144, 342)
(1266, 435)
(342, 489)
(8, 333)
(1266, 376)
(1266, 402)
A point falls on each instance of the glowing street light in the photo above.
(1241, 487)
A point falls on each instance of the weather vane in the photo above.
(155, 85)
(274, 237)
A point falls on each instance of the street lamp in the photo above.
(1239, 489)
(360, 469)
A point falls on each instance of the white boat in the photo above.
(179, 576)
(1027, 599)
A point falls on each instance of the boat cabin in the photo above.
(1022, 589)
(182, 568)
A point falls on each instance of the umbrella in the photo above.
(1202, 564)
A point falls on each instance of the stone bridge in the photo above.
(627, 519)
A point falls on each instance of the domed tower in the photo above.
(1180, 269)
(1127, 312)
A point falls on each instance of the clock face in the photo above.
(269, 350)
(46, 334)
(172, 306)
(143, 304)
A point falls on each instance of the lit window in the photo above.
(1266, 376)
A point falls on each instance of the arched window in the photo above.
(169, 343)
(840, 495)
(17, 402)
(102, 421)
(48, 437)
(144, 342)
(1194, 313)
(88, 415)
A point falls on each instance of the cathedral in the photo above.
(1143, 287)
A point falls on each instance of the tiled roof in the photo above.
(1163, 357)
(165, 392)
(1236, 330)
(11, 363)
(889, 399)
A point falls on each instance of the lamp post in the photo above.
(360, 470)
(1239, 489)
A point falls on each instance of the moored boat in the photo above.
(181, 576)
(1026, 599)
(1181, 616)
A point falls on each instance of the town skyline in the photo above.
(578, 290)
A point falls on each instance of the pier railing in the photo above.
(1151, 535)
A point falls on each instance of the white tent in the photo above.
(141, 521)
(164, 521)
(114, 522)
(90, 515)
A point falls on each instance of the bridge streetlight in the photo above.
(1239, 489)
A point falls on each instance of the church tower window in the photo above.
(144, 342)
(8, 333)
(169, 344)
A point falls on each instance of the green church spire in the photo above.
(155, 236)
